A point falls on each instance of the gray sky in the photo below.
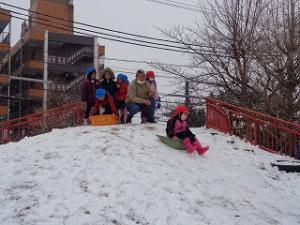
(133, 16)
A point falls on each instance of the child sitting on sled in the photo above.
(177, 128)
(104, 103)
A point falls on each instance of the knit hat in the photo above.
(100, 93)
(140, 71)
(109, 71)
(181, 109)
(90, 70)
(123, 77)
(150, 74)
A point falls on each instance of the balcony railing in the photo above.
(64, 87)
(35, 93)
(4, 79)
(3, 110)
(72, 58)
(5, 38)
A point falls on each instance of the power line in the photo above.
(187, 6)
(181, 6)
(116, 36)
(105, 38)
(135, 61)
(184, 4)
(101, 33)
(146, 62)
(117, 40)
(85, 34)
(126, 71)
(139, 61)
(102, 28)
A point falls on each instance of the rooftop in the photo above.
(55, 1)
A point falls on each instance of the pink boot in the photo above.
(190, 148)
(200, 149)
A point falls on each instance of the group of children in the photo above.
(107, 96)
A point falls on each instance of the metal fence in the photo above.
(269, 133)
(39, 123)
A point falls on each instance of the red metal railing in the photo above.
(269, 133)
(40, 123)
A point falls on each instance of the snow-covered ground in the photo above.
(123, 175)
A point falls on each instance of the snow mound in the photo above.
(122, 175)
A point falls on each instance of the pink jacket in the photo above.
(153, 88)
(180, 126)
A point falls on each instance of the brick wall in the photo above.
(63, 11)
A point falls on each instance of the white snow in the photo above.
(123, 175)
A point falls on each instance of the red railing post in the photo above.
(207, 117)
(255, 134)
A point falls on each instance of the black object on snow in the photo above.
(287, 166)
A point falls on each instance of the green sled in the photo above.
(171, 143)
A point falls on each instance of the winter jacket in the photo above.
(153, 88)
(107, 102)
(180, 126)
(97, 83)
(177, 127)
(170, 127)
(110, 86)
(121, 93)
(137, 93)
(88, 91)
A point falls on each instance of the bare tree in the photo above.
(278, 59)
(248, 53)
(222, 51)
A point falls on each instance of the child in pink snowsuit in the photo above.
(177, 128)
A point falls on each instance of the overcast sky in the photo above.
(133, 16)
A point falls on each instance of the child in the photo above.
(88, 91)
(105, 101)
(150, 76)
(151, 82)
(108, 82)
(121, 94)
(177, 129)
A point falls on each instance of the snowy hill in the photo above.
(123, 175)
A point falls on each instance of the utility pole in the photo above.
(187, 93)
(9, 73)
(45, 83)
(96, 56)
(20, 82)
(45, 79)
